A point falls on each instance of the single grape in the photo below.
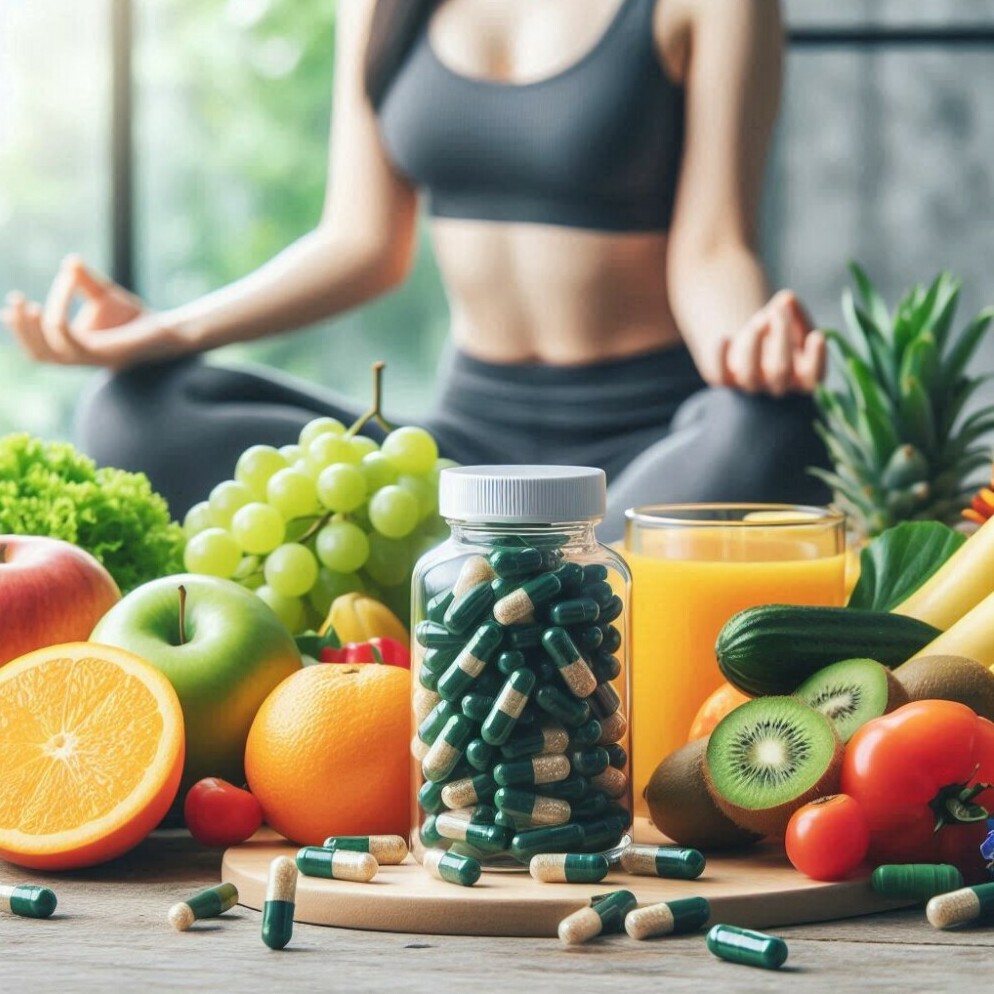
(389, 561)
(290, 610)
(378, 471)
(319, 426)
(330, 585)
(328, 449)
(424, 492)
(436, 470)
(197, 519)
(364, 444)
(341, 487)
(213, 552)
(291, 453)
(342, 546)
(291, 569)
(293, 493)
(394, 511)
(258, 527)
(410, 449)
(256, 465)
(225, 499)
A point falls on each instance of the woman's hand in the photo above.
(111, 328)
(776, 352)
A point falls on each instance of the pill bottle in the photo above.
(520, 625)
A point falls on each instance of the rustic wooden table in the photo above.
(110, 933)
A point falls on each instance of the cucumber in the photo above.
(774, 648)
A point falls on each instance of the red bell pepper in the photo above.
(379, 649)
(923, 775)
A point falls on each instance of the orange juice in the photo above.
(686, 583)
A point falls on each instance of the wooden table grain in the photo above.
(110, 934)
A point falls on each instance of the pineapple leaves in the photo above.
(963, 349)
(917, 417)
(874, 302)
(877, 348)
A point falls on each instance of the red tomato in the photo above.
(916, 768)
(828, 837)
(218, 813)
(379, 649)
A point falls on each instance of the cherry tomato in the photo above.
(218, 813)
(379, 649)
(828, 837)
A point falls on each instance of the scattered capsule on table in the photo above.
(451, 867)
(685, 914)
(470, 662)
(915, 881)
(569, 868)
(448, 748)
(537, 770)
(469, 608)
(387, 850)
(519, 605)
(562, 706)
(743, 945)
(28, 900)
(474, 570)
(605, 915)
(337, 864)
(460, 827)
(958, 907)
(278, 908)
(512, 564)
(468, 791)
(675, 862)
(576, 611)
(508, 707)
(526, 809)
(572, 667)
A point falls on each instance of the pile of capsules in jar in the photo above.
(520, 727)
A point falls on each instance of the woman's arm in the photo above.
(362, 247)
(716, 282)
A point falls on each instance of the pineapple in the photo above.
(901, 446)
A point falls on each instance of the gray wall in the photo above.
(885, 155)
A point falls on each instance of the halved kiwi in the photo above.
(949, 678)
(851, 692)
(767, 758)
(683, 810)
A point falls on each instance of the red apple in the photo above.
(50, 592)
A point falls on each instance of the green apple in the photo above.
(222, 649)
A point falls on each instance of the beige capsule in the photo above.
(474, 570)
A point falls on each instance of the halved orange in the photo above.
(91, 753)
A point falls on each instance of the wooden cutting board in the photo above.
(755, 888)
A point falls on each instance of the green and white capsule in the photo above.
(438, 605)
(589, 762)
(475, 570)
(587, 639)
(519, 605)
(466, 792)
(572, 667)
(432, 724)
(613, 782)
(686, 914)
(480, 755)
(603, 833)
(599, 591)
(434, 635)
(470, 662)
(575, 611)
(513, 564)
(508, 707)
(742, 945)
(469, 608)
(562, 706)
(572, 789)
(430, 797)
(611, 609)
(570, 578)
(477, 706)
(915, 881)
(616, 755)
(451, 867)
(524, 636)
(280, 903)
(958, 907)
(458, 826)
(528, 810)
(337, 864)
(604, 701)
(605, 916)
(448, 748)
(387, 850)
(605, 666)
(610, 642)
(423, 703)
(569, 868)
(545, 738)
(552, 838)
(30, 900)
(427, 834)
(613, 728)
(419, 748)
(536, 770)
(674, 862)
(510, 660)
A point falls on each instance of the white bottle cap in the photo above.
(522, 494)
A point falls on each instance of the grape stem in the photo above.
(374, 413)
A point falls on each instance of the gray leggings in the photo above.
(659, 432)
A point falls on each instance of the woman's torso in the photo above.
(548, 134)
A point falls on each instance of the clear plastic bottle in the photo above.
(521, 679)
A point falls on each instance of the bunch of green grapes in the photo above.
(330, 514)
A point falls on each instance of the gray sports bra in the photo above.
(595, 146)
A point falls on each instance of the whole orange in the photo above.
(327, 753)
(726, 698)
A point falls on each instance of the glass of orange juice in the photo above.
(693, 566)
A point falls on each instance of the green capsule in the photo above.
(573, 668)
(568, 868)
(587, 638)
(427, 833)
(594, 573)
(476, 706)
(915, 881)
(616, 755)
(546, 738)
(336, 864)
(528, 810)
(957, 907)
(603, 833)
(572, 789)
(480, 755)
(469, 609)
(560, 705)
(387, 850)
(585, 735)
(610, 639)
(611, 609)
(674, 862)
(448, 748)
(554, 838)
(434, 635)
(599, 591)
(576, 611)
(511, 564)
(524, 636)
(605, 666)
(485, 814)
(589, 762)
(430, 797)
(451, 867)
(33, 901)
(508, 707)
(685, 914)
(435, 720)
(502, 588)
(468, 791)
(742, 945)
(593, 804)
(518, 606)
(535, 770)
(437, 661)
(570, 578)
(510, 660)
(438, 605)
(459, 828)
(605, 915)
(279, 905)
(604, 701)
(471, 661)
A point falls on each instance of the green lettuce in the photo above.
(49, 488)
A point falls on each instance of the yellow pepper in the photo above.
(357, 617)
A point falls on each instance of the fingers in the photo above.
(55, 316)
(86, 281)
(24, 320)
(777, 360)
(809, 363)
(744, 355)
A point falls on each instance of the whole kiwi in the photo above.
(949, 678)
(681, 807)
